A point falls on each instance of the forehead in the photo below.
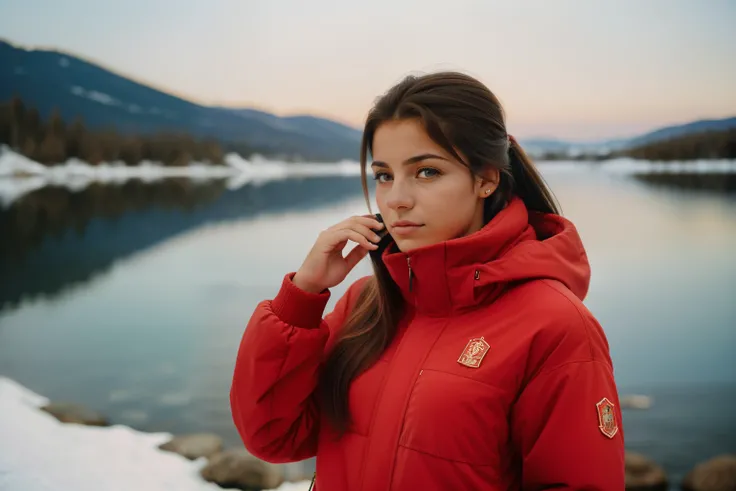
(396, 141)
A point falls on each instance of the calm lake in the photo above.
(132, 299)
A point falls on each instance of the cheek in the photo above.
(381, 201)
(449, 211)
(451, 201)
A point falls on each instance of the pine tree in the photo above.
(18, 118)
(74, 138)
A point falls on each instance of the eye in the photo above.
(381, 176)
(428, 172)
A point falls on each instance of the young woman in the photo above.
(467, 361)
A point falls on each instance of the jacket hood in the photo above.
(517, 245)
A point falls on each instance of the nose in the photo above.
(400, 195)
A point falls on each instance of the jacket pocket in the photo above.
(456, 418)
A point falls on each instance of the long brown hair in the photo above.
(464, 117)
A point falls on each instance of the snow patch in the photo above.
(627, 166)
(43, 454)
(95, 95)
(703, 166)
(63, 62)
(102, 98)
(12, 163)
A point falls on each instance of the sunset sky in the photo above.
(583, 69)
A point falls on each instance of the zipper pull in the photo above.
(411, 275)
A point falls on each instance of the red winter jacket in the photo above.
(499, 378)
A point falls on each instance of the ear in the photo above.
(487, 184)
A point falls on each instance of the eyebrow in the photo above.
(411, 160)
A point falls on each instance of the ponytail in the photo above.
(520, 178)
(528, 183)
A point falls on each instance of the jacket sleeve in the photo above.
(557, 429)
(272, 396)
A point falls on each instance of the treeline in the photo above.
(702, 145)
(712, 144)
(54, 141)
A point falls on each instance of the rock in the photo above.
(716, 474)
(74, 413)
(194, 446)
(636, 401)
(238, 469)
(643, 474)
(296, 472)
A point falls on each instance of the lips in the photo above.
(404, 227)
(405, 223)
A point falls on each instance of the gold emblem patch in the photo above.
(607, 417)
(474, 352)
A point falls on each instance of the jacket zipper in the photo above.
(411, 275)
(312, 484)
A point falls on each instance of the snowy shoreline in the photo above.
(20, 176)
(40, 453)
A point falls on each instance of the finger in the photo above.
(366, 232)
(349, 234)
(355, 255)
(368, 221)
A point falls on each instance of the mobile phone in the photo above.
(384, 231)
(385, 239)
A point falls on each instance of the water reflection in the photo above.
(164, 277)
(54, 237)
(701, 181)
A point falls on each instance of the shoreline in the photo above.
(98, 452)
(20, 176)
(93, 454)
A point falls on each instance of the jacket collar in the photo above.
(462, 273)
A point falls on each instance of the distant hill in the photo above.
(52, 79)
(547, 146)
(683, 129)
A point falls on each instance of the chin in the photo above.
(409, 244)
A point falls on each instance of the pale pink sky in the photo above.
(571, 69)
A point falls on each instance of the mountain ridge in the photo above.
(75, 87)
(50, 78)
